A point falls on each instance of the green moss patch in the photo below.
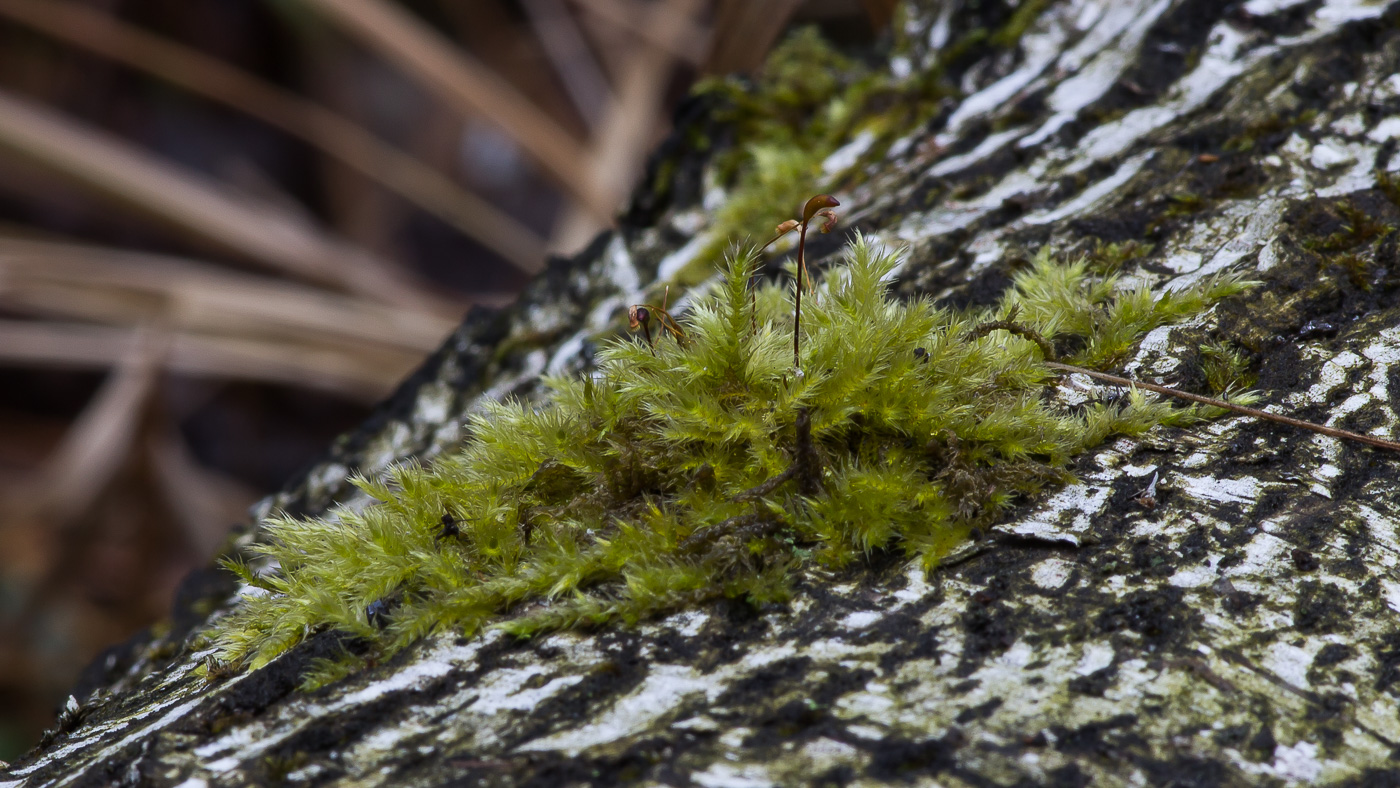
(806, 102)
(712, 467)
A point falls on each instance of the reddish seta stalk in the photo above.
(820, 205)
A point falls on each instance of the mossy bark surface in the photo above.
(1214, 605)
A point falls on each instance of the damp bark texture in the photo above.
(1206, 606)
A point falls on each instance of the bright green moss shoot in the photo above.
(642, 489)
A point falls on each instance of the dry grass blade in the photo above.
(129, 288)
(625, 135)
(100, 439)
(744, 32)
(351, 371)
(347, 142)
(471, 88)
(691, 44)
(256, 230)
(881, 12)
(567, 50)
(202, 501)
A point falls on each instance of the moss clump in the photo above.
(1226, 369)
(1389, 185)
(1271, 131)
(711, 466)
(1021, 20)
(1106, 259)
(1357, 227)
(802, 105)
(806, 102)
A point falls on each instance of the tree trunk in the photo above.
(1237, 625)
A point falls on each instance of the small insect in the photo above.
(450, 529)
(1147, 499)
(69, 717)
(641, 315)
(377, 612)
(216, 670)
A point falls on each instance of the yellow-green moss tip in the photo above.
(686, 472)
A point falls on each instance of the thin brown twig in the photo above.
(1264, 415)
(806, 464)
(1010, 326)
(708, 534)
(767, 486)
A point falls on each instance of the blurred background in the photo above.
(227, 227)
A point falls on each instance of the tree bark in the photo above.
(1235, 626)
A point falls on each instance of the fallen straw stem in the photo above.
(1379, 443)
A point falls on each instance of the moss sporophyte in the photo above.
(684, 471)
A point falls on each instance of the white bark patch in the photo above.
(953, 215)
(1388, 129)
(846, 156)
(1101, 73)
(1333, 375)
(1297, 763)
(1095, 194)
(984, 149)
(1041, 46)
(1239, 230)
(1193, 577)
(1066, 515)
(1263, 552)
(1052, 573)
(621, 270)
(722, 775)
(916, 586)
(1219, 65)
(674, 262)
(687, 624)
(1391, 591)
(660, 693)
(533, 365)
(1097, 656)
(825, 754)
(1362, 158)
(1269, 7)
(1349, 125)
(1330, 153)
(1206, 488)
(505, 691)
(1289, 663)
(860, 619)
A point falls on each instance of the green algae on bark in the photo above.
(710, 466)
